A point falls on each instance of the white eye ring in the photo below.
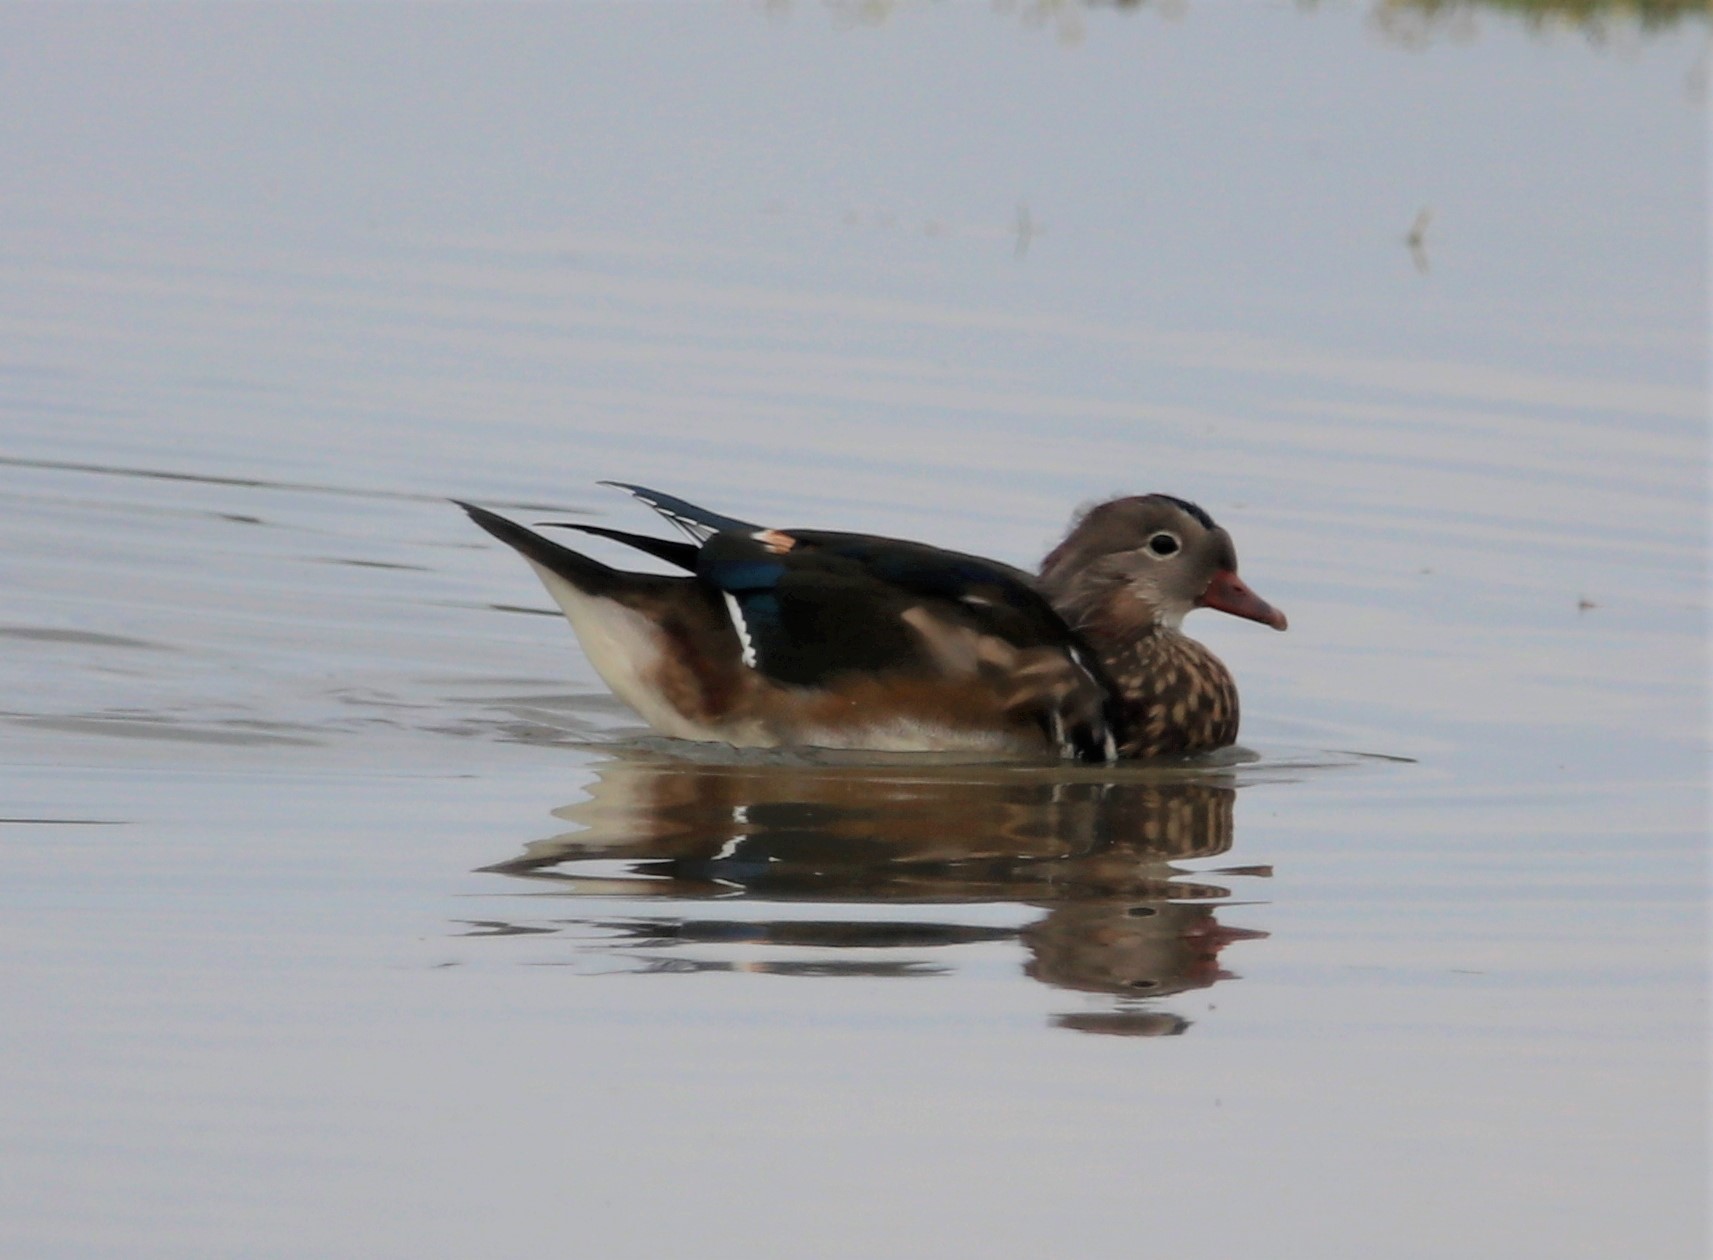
(1164, 544)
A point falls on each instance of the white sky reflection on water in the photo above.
(273, 282)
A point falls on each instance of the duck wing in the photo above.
(812, 608)
(821, 610)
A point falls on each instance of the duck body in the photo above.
(777, 638)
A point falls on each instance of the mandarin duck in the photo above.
(809, 638)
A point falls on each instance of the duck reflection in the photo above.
(897, 864)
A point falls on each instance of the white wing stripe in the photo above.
(742, 628)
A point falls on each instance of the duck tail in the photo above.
(682, 554)
(589, 576)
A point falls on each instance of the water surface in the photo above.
(344, 913)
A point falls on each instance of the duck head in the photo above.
(1139, 565)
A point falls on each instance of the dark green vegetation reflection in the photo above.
(1595, 16)
(1084, 869)
(1409, 20)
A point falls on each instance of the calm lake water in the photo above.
(345, 915)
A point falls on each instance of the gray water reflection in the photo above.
(1081, 870)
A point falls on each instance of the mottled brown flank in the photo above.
(700, 675)
(701, 684)
(860, 701)
(982, 686)
(1177, 696)
(1031, 683)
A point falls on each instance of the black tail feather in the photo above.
(585, 574)
(698, 522)
(672, 551)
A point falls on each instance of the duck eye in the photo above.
(1163, 544)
